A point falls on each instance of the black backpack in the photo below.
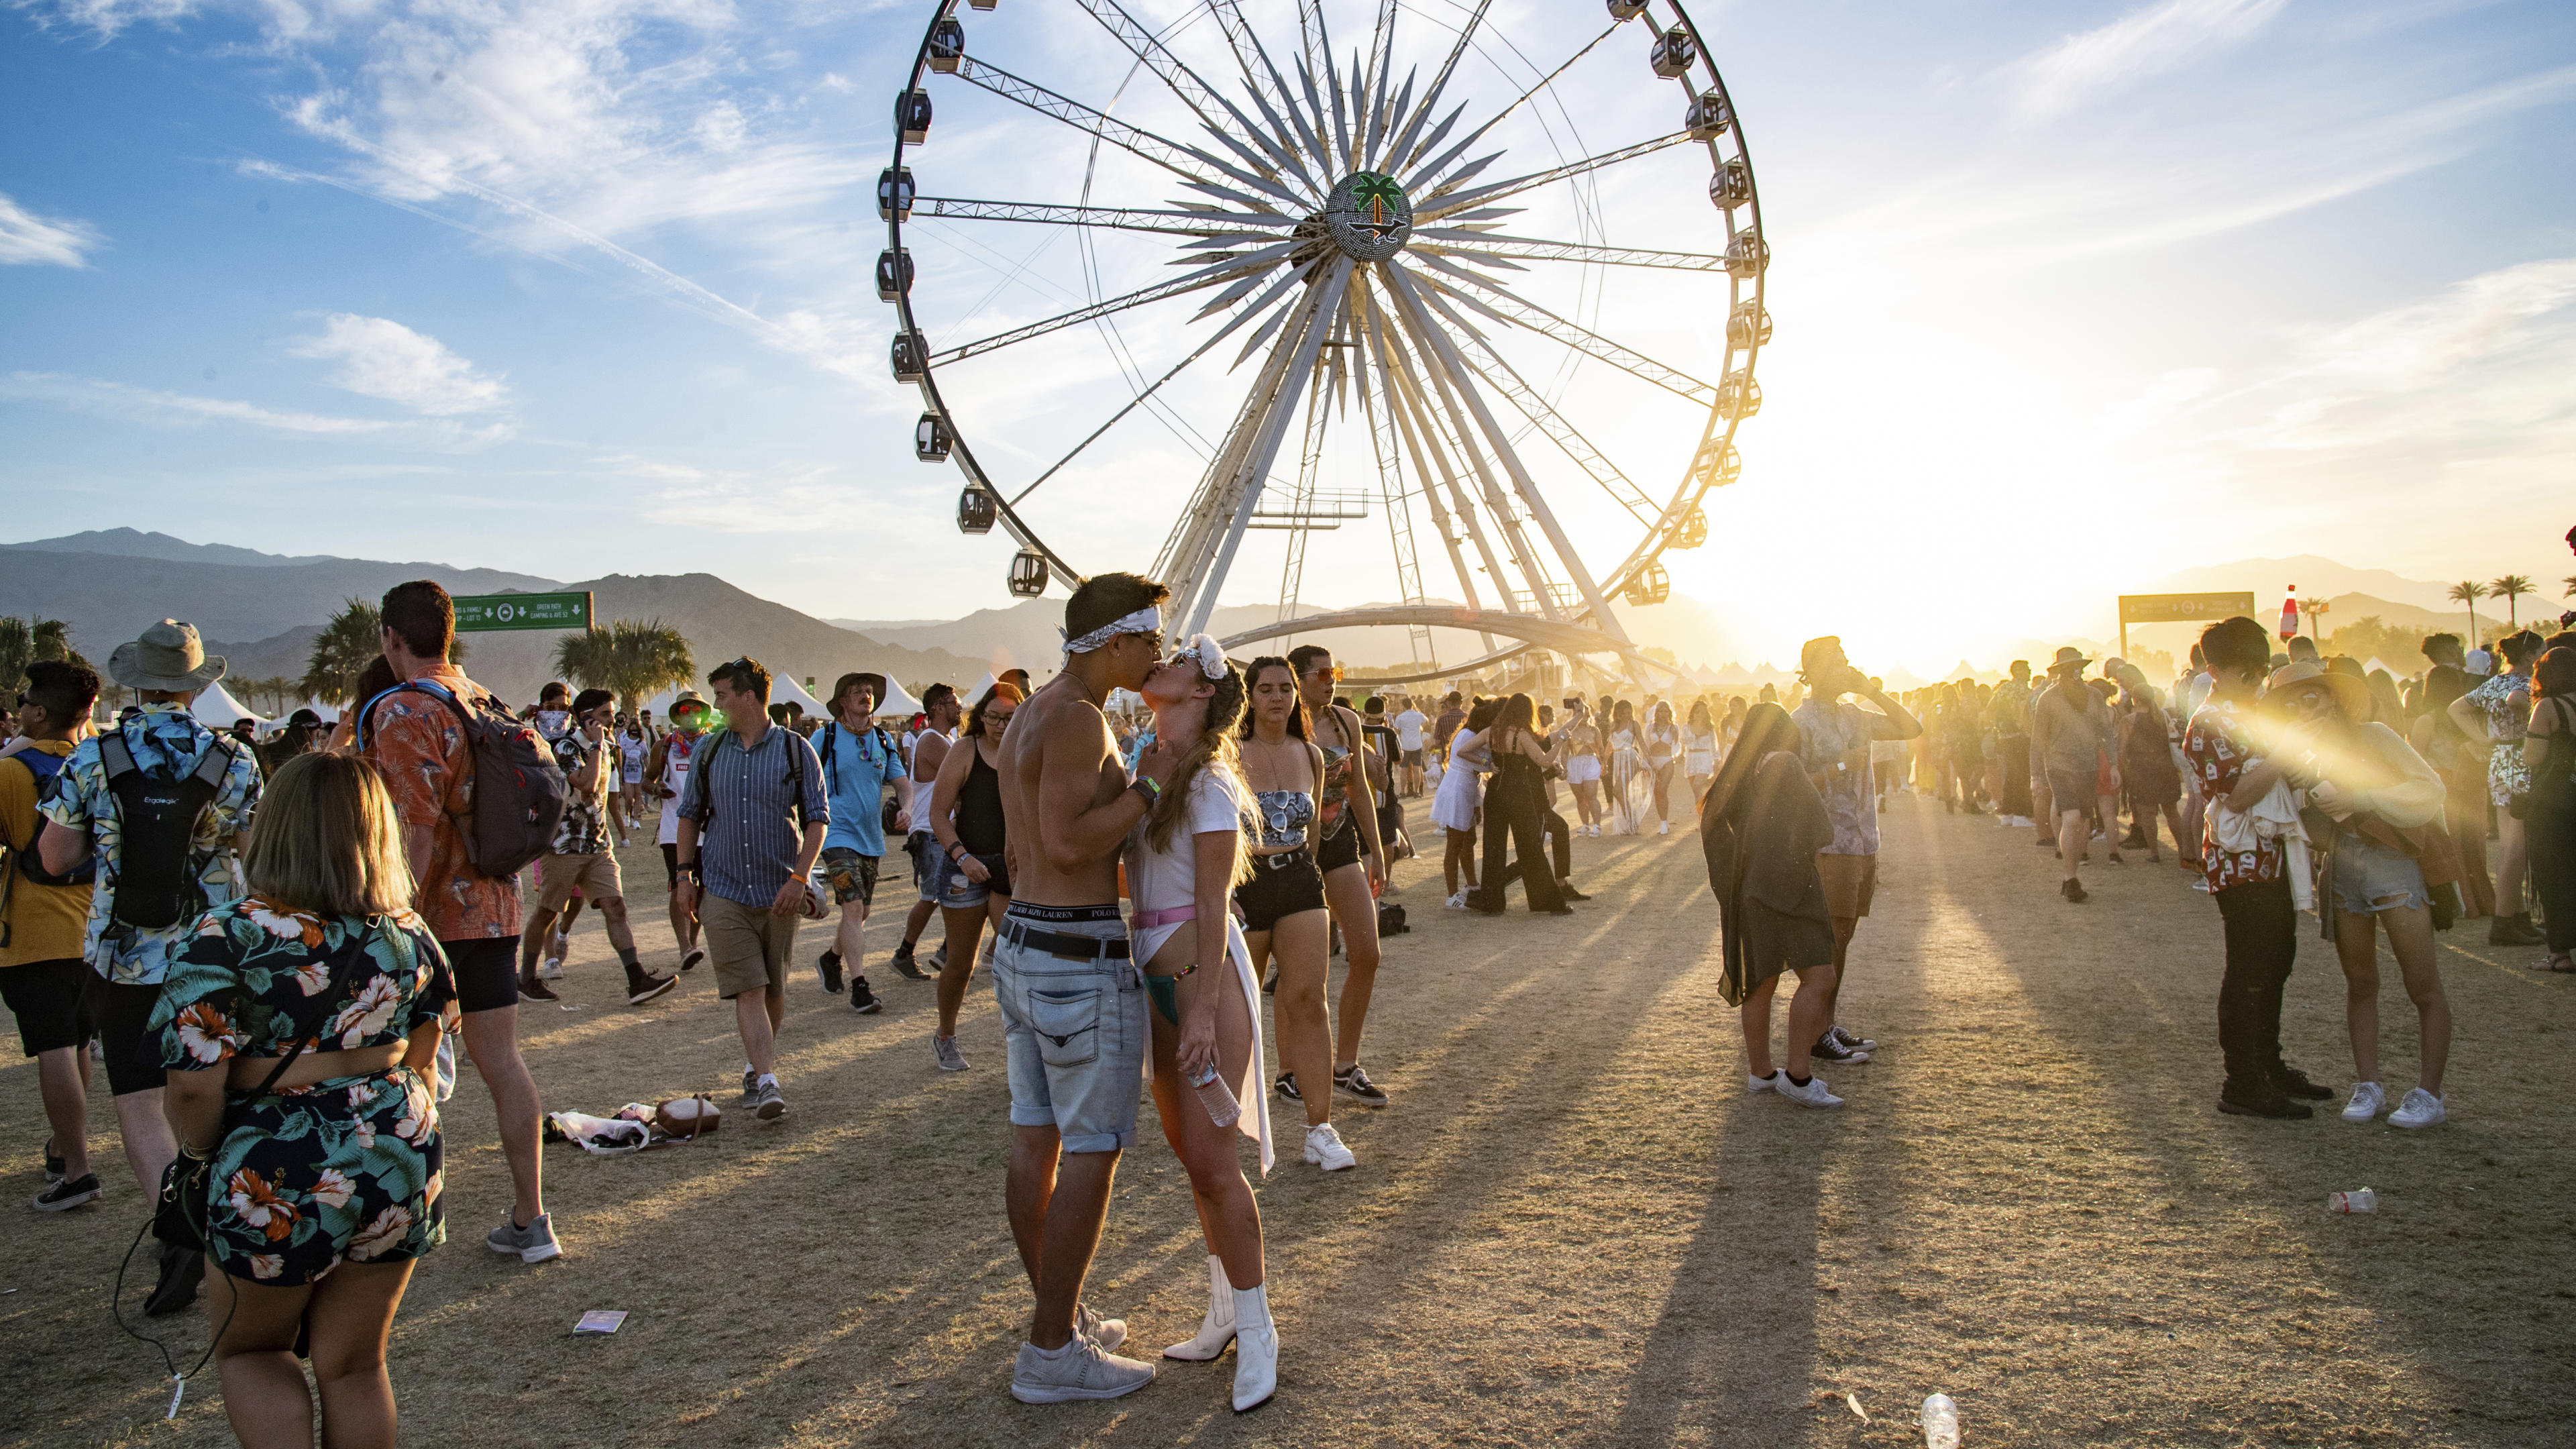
(832, 737)
(519, 790)
(156, 820)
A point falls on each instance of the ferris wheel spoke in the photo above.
(1524, 97)
(1115, 418)
(1138, 298)
(1381, 65)
(1315, 127)
(1539, 319)
(1501, 376)
(1203, 224)
(1500, 189)
(1172, 156)
(1461, 241)
(1414, 422)
(1275, 142)
(1448, 68)
(1415, 313)
(1184, 83)
(1342, 128)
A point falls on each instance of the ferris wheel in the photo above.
(1347, 322)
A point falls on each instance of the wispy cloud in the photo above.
(152, 407)
(2141, 44)
(380, 357)
(791, 497)
(27, 239)
(103, 18)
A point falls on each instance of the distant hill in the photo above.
(129, 543)
(2317, 578)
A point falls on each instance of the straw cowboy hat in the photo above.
(2068, 657)
(2351, 692)
(169, 658)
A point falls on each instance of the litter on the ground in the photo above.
(1854, 1400)
(600, 1320)
(2362, 1201)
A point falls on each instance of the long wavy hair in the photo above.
(1251, 674)
(1215, 750)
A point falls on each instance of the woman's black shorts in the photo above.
(1281, 885)
(1339, 849)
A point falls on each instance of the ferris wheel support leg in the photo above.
(1607, 622)
(1413, 416)
(1315, 323)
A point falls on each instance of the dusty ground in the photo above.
(1572, 1227)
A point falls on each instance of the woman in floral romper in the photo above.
(324, 1190)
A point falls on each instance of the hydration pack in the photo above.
(519, 790)
(47, 770)
(156, 824)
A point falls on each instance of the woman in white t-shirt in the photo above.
(1183, 862)
(1699, 751)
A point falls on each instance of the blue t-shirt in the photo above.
(860, 767)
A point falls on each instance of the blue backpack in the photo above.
(47, 769)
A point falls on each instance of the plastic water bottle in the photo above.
(1940, 1423)
(1222, 1109)
(2363, 1201)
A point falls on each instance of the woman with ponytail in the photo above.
(1183, 861)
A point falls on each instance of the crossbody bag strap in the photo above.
(341, 962)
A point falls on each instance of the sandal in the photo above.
(2560, 965)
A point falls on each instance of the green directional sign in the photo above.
(479, 613)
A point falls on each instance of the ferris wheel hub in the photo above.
(1368, 216)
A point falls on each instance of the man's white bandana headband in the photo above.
(1210, 659)
(1146, 620)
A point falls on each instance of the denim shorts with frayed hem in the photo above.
(1076, 1033)
(2370, 878)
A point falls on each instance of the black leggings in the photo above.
(2552, 837)
(2262, 942)
(1510, 806)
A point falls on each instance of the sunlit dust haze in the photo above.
(2069, 297)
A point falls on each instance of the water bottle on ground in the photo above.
(2363, 1201)
(1940, 1423)
(1222, 1109)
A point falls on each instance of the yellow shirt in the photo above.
(46, 923)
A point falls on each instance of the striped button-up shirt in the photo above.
(745, 802)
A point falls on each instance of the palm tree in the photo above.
(631, 657)
(2510, 588)
(2571, 588)
(2469, 591)
(341, 652)
(32, 641)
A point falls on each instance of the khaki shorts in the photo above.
(1850, 880)
(747, 943)
(558, 876)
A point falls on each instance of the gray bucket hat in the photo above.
(169, 658)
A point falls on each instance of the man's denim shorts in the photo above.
(2369, 879)
(1077, 1035)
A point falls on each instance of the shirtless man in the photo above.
(1072, 1001)
(928, 750)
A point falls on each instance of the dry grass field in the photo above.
(1572, 1227)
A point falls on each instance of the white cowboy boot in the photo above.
(1256, 1349)
(1218, 1330)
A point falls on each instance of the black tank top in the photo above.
(979, 807)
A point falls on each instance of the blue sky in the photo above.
(2068, 295)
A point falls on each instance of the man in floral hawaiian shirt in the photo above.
(414, 736)
(2225, 750)
(166, 668)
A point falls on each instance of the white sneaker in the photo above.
(1811, 1095)
(1325, 1149)
(552, 970)
(1458, 902)
(2420, 1109)
(2366, 1101)
(1081, 1370)
(1753, 1083)
(1667, 828)
(1106, 1332)
(943, 1049)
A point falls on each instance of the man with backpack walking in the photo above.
(578, 859)
(480, 796)
(859, 761)
(164, 805)
(42, 975)
(744, 862)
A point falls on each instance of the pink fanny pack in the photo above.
(1146, 920)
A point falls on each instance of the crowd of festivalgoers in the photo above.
(274, 950)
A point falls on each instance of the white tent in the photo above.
(785, 690)
(898, 700)
(216, 709)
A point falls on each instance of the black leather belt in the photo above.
(1283, 860)
(1059, 943)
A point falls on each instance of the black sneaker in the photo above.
(531, 989)
(53, 1163)
(1288, 1087)
(907, 966)
(1353, 1082)
(1827, 1049)
(862, 1000)
(828, 966)
(647, 986)
(62, 1195)
(2263, 1100)
(2504, 930)
(2294, 1083)
(2073, 890)
(181, 1271)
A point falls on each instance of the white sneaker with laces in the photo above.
(943, 1049)
(1753, 1083)
(1811, 1095)
(1458, 902)
(2420, 1109)
(2366, 1101)
(552, 970)
(1107, 1332)
(1079, 1370)
(1325, 1148)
